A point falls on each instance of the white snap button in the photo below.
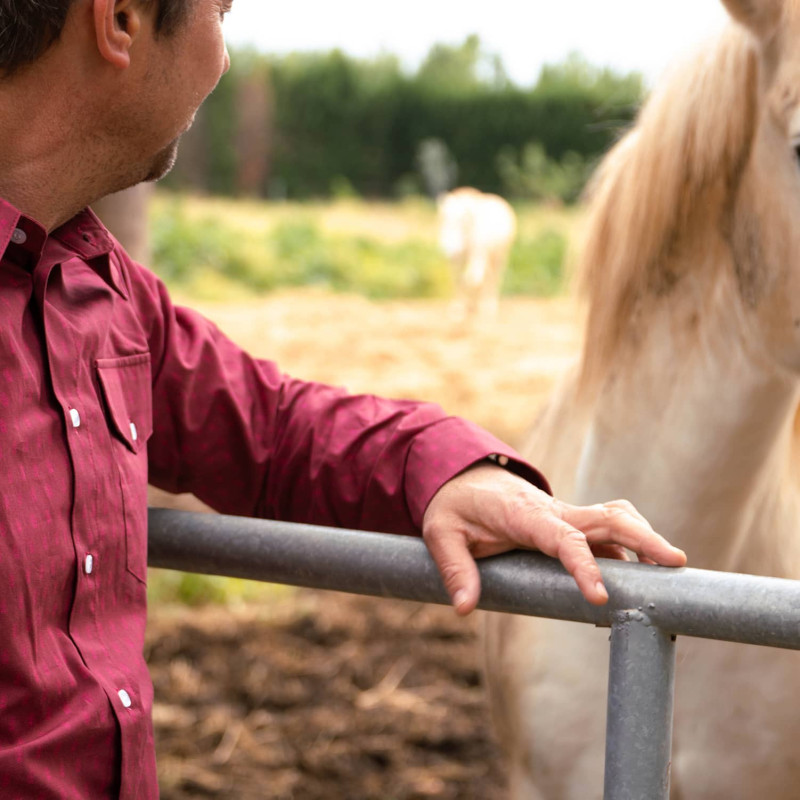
(19, 236)
(88, 564)
(76, 417)
(125, 698)
(134, 434)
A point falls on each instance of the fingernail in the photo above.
(459, 598)
(601, 590)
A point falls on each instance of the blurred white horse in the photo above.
(476, 231)
(685, 401)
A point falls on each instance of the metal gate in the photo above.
(648, 607)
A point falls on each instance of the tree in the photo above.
(125, 215)
(462, 69)
(254, 128)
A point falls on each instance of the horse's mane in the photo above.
(692, 136)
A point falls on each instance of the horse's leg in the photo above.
(473, 278)
(458, 305)
(490, 289)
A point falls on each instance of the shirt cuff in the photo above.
(447, 449)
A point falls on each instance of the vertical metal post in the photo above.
(641, 686)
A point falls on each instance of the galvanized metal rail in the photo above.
(648, 607)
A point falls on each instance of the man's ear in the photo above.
(116, 23)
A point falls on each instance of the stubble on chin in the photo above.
(163, 162)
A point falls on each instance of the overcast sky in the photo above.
(642, 35)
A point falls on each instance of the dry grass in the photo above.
(496, 374)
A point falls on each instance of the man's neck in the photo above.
(51, 164)
(35, 160)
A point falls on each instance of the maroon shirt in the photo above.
(103, 382)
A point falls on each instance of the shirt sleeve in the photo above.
(249, 440)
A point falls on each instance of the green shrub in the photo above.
(533, 176)
(227, 250)
(194, 254)
(183, 247)
(537, 265)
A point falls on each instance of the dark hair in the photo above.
(29, 27)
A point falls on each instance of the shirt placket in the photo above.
(69, 359)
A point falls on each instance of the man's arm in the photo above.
(249, 440)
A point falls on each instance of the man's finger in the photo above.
(610, 522)
(457, 567)
(572, 550)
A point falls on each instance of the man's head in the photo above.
(29, 27)
(97, 93)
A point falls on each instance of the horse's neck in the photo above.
(695, 427)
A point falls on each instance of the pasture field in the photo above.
(219, 248)
(270, 693)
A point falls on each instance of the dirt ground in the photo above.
(326, 695)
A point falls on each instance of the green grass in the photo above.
(166, 587)
(211, 248)
(536, 265)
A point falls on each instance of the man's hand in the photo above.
(487, 510)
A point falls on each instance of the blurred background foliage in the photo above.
(228, 249)
(316, 125)
(322, 169)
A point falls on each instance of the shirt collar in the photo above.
(84, 235)
(22, 235)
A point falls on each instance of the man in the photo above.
(105, 382)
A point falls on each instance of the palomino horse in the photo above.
(685, 401)
(476, 231)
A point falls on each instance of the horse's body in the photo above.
(476, 231)
(684, 402)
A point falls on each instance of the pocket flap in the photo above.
(127, 391)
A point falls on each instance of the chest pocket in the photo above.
(126, 386)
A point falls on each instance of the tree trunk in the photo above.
(125, 215)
